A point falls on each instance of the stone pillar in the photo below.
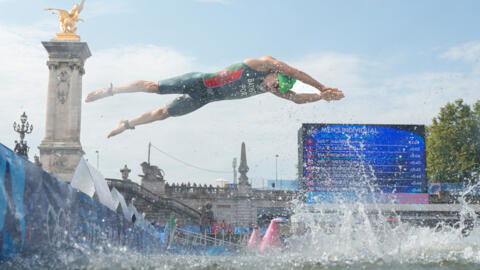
(243, 185)
(60, 149)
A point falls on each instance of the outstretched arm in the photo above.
(270, 64)
(302, 98)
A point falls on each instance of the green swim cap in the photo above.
(286, 83)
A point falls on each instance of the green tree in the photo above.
(453, 144)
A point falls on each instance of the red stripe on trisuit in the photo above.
(223, 78)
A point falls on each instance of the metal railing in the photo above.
(184, 237)
(221, 192)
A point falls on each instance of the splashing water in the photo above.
(353, 238)
(323, 236)
(347, 238)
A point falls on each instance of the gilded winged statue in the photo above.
(68, 19)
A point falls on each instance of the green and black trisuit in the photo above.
(197, 89)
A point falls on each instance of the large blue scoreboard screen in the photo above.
(367, 158)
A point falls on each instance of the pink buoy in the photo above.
(255, 239)
(271, 239)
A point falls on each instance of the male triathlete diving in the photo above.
(251, 77)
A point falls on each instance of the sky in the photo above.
(398, 62)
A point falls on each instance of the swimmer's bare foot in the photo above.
(100, 93)
(122, 126)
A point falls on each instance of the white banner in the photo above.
(125, 210)
(90, 181)
(82, 180)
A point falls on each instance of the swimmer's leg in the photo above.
(179, 106)
(177, 85)
(146, 117)
(185, 104)
(130, 87)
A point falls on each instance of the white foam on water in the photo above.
(351, 240)
(354, 237)
(344, 237)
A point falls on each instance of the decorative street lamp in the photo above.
(21, 147)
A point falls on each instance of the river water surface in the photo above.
(353, 242)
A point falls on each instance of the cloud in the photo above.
(23, 77)
(418, 97)
(334, 69)
(469, 52)
(119, 65)
(211, 137)
(147, 62)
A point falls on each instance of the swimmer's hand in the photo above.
(329, 94)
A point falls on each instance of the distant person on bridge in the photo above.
(251, 77)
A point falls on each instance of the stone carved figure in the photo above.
(63, 85)
(37, 161)
(59, 160)
(125, 172)
(151, 172)
(21, 148)
(68, 19)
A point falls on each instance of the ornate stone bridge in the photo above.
(240, 205)
(234, 206)
(157, 208)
